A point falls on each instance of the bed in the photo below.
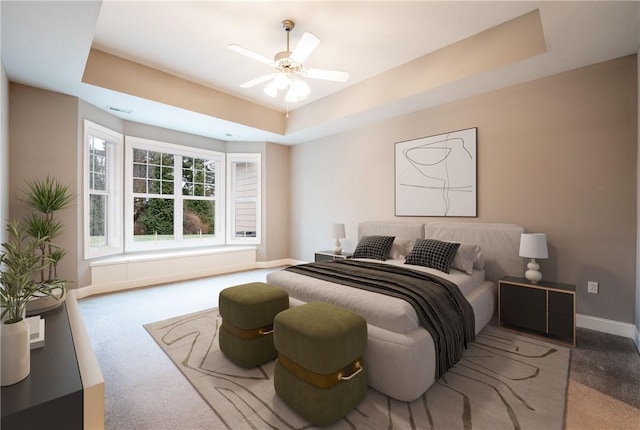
(401, 355)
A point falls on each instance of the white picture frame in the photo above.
(437, 175)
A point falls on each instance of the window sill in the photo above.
(168, 255)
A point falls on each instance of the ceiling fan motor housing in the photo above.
(286, 64)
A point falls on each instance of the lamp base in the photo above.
(533, 275)
(338, 247)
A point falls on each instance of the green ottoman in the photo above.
(319, 372)
(247, 311)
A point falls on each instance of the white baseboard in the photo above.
(607, 326)
(636, 338)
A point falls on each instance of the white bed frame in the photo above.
(402, 365)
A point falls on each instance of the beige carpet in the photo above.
(504, 381)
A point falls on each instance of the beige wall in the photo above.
(637, 332)
(4, 151)
(43, 141)
(276, 202)
(557, 155)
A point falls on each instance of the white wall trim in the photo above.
(606, 326)
(636, 337)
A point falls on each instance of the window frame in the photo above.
(114, 243)
(231, 200)
(178, 151)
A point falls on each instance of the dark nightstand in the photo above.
(329, 255)
(546, 308)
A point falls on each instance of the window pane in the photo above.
(97, 221)
(154, 187)
(198, 219)
(244, 197)
(167, 187)
(246, 180)
(139, 170)
(97, 164)
(198, 177)
(139, 186)
(152, 172)
(152, 219)
(245, 219)
(139, 156)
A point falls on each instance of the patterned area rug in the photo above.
(504, 381)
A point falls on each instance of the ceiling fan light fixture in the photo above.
(301, 88)
(271, 89)
(290, 73)
(282, 81)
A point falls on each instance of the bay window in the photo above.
(144, 195)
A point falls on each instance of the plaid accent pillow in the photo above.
(433, 253)
(375, 247)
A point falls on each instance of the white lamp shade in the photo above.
(533, 245)
(338, 231)
(281, 81)
(301, 88)
(271, 89)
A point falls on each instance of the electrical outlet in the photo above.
(592, 287)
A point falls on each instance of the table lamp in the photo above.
(533, 245)
(338, 233)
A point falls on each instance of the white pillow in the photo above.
(400, 248)
(467, 258)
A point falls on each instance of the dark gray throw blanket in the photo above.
(441, 307)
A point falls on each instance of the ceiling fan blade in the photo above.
(308, 42)
(244, 51)
(327, 75)
(257, 81)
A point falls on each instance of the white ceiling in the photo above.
(46, 44)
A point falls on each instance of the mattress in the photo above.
(389, 313)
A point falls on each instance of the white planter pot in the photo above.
(15, 361)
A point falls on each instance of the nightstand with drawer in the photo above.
(329, 255)
(546, 308)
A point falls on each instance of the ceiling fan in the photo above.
(290, 74)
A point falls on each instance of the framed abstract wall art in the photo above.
(437, 175)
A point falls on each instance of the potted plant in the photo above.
(47, 197)
(20, 264)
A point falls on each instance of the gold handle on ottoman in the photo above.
(247, 334)
(358, 367)
(321, 380)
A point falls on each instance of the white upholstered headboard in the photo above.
(404, 230)
(499, 242)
